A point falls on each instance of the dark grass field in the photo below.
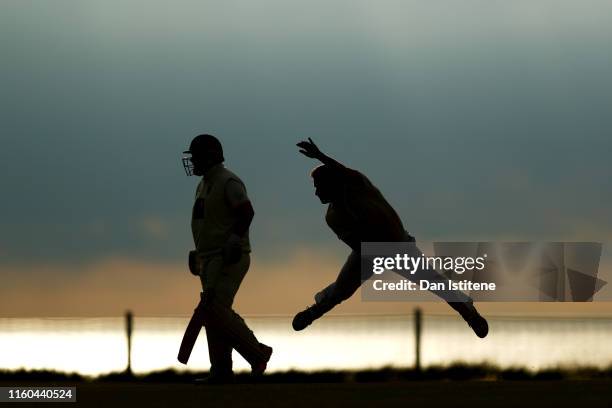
(498, 393)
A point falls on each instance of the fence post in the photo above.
(129, 318)
(418, 323)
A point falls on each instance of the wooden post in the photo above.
(129, 319)
(418, 324)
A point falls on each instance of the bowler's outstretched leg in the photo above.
(347, 282)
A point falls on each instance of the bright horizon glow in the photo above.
(98, 346)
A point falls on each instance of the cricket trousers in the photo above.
(225, 329)
(350, 279)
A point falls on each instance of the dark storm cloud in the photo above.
(477, 119)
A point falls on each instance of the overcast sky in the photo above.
(478, 119)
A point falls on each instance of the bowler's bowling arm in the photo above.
(310, 149)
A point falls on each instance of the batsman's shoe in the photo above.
(259, 368)
(472, 317)
(215, 379)
(305, 318)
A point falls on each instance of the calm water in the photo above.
(98, 345)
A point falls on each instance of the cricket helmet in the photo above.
(202, 146)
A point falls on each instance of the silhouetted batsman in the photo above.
(221, 217)
(357, 212)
